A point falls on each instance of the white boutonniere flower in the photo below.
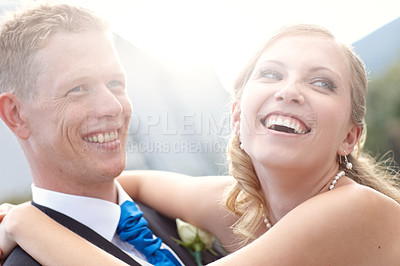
(194, 239)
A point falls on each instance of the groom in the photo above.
(62, 93)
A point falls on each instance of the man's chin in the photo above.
(114, 172)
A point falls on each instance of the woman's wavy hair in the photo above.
(244, 197)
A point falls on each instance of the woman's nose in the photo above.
(290, 93)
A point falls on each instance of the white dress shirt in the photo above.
(100, 215)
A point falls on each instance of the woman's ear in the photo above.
(235, 117)
(350, 140)
(10, 112)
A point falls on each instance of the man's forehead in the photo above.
(81, 47)
(73, 57)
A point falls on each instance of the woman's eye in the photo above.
(270, 75)
(327, 84)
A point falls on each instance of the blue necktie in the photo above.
(132, 228)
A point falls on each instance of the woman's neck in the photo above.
(286, 188)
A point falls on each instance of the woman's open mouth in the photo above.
(286, 124)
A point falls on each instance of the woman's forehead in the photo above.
(309, 49)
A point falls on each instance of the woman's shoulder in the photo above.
(365, 220)
(359, 199)
(350, 225)
(355, 202)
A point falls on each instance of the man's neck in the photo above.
(102, 190)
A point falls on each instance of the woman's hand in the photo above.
(4, 209)
(40, 236)
(7, 244)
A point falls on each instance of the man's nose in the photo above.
(105, 103)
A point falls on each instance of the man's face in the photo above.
(80, 117)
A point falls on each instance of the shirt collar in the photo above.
(100, 215)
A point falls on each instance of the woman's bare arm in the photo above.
(197, 200)
(47, 241)
(351, 225)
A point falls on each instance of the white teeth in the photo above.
(106, 137)
(102, 137)
(295, 125)
(297, 128)
(286, 123)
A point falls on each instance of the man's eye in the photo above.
(76, 89)
(115, 83)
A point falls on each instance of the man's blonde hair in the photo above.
(26, 31)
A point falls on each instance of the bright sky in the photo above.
(226, 33)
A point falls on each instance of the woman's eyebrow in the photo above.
(274, 62)
(321, 68)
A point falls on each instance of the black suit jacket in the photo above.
(160, 225)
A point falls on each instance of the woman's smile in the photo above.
(285, 123)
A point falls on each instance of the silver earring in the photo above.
(349, 165)
(241, 145)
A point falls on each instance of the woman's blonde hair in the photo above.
(244, 197)
(24, 32)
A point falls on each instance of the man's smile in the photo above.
(102, 137)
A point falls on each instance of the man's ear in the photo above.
(235, 117)
(10, 112)
(350, 140)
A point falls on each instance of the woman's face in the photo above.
(295, 108)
